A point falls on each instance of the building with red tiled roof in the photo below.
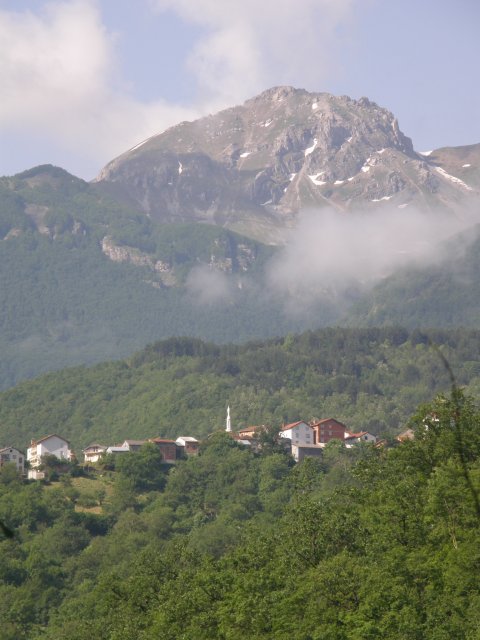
(328, 429)
(300, 433)
(53, 445)
(409, 434)
(361, 436)
(168, 448)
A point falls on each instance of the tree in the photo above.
(145, 468)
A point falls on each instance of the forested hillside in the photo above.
(86, 278)
(443, 294)
(367, 378)
(364, 543)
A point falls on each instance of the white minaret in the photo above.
(229, 424)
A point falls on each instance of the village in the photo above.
(301, 439)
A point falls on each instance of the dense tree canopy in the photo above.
(367, 378)
(363, 543)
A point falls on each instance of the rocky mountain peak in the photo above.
(253, 167)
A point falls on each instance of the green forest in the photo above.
(369, 379)
(63, 302)
(236, 543)
(360, 544)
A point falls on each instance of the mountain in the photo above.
(86, 279)
(181, 234)
(253, 167)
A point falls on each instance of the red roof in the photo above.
(286, 427)
(324, 420)
(52, 435)
(356, 435)
(162, 441)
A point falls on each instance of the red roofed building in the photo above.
(168, 449)
(328, 429)
(300, 433)
(361, 436)
(53, 445)
(251, 432)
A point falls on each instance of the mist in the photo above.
(333, 256)
(206, 285)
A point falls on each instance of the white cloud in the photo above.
(207, 285)
(57, 72)
(329, 252)
(249, 46)
(61, 83)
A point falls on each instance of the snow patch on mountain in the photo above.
(140, 144)
(454, 179)
(314, 179)
(311, 149)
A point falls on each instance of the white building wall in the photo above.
(54, 445)
(13, 456)
(300, 434)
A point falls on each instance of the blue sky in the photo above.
(84, 80)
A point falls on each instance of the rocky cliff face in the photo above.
(254, 166)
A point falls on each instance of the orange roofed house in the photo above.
(168, 449)
(53, 445)
(302, 438)
(352, 439)
(252, 432)
(328, 429)
(299, 433)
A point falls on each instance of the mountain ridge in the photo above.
(93, 271)
(280, 152)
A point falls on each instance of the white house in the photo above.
(52, 445)
(13, 456)
(362, 436)
(93, 452)
(300, 433)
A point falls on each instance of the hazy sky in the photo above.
(84, 80)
